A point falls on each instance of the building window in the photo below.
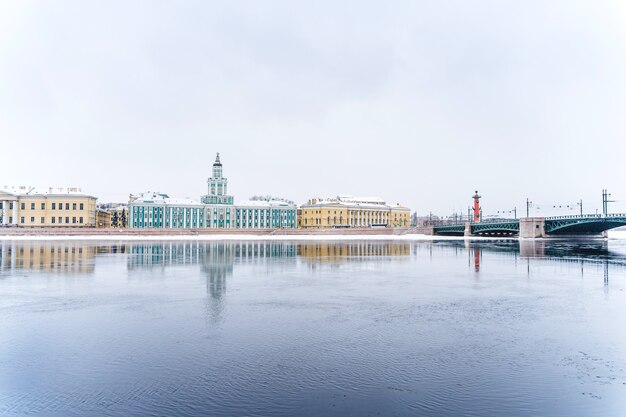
(80, 220)
(32, 206)
(67, 220)
(42, 220)
(43, 206)
(81, 206)
(60, 206)
(53, 220)
(60, 220)
(73, 219)
(32, 220)
(54, 206)
(22, 218)
(67, 206)
(73, 206)
(23, 206)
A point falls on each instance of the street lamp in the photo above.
(606, 201)
(528, 205)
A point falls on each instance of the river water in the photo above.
(443, 328)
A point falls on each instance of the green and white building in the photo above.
(216, 209)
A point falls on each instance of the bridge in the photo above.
(534, 227)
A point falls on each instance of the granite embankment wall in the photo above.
(85, 231)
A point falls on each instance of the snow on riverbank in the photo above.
(617, 235)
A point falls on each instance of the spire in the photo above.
(217, 160)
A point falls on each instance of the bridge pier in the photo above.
(468, 229)
(532, 227)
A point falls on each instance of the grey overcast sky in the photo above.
(418, 102)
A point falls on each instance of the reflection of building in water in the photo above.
(216, 260)
(149, 254)
(54, 256)
(335, 251)
(249, 251)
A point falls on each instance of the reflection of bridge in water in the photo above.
(590, 253)
(535, 227)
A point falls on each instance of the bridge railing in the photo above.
(496, 220)
(587, 216)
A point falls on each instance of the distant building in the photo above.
(103, 218)
(118, 212)
(345, 212)
(24, 206)
(216, 209)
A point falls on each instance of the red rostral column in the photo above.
(476, 198)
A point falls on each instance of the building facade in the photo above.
(118, 213)
(51, 207)
(266, 213)
(103, 218)
(157, 210)
(216, 209)
(350, 212)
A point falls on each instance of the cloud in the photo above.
(418, 102)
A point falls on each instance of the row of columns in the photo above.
(367, 217)
(5, 212)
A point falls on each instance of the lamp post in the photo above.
(528, 204)
(606, 201)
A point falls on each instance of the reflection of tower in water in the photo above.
(476, 259)
(473, 251)
(218, 261)
(217, 264)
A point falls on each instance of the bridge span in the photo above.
(537, 227)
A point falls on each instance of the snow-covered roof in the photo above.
(161, 198)
(23, 190)
(361, 200)
(265, 203)
(349, 201)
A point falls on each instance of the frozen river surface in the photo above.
(451, 328)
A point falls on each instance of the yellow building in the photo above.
(345, 212)
(103, 219)
(111, 215)
(51, 207)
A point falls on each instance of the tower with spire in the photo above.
(217, 186)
